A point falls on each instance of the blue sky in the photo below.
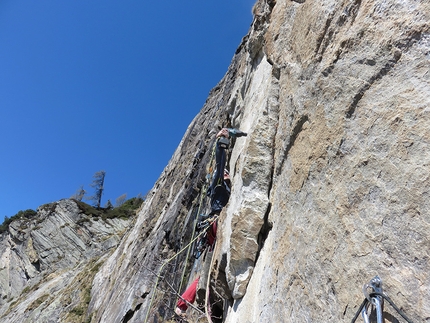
(104, 85)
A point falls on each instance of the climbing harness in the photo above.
(224, 142)
(202, 243)
(375, 299)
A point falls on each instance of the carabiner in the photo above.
(378, 304)
(365, 315)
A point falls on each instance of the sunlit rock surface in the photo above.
(330, 187)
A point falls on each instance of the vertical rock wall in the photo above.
(333, 181)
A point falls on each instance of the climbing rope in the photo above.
(208, 316)
(202, 196)
(162, 267)
(187, 247)
(194, 232)
(375, 294)
(176, 293)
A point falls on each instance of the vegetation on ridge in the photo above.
(124, 211)
(20, 215)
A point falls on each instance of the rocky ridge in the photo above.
(49, 260)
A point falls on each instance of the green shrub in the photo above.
(27, 214)
(88, 209)
(126, 210)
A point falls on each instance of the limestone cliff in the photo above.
(330, 187)
(337, 164)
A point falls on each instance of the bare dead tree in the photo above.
(120, 200)
(97, 184)
(80, 193)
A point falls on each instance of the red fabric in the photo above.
(189, 295)
(212, 234)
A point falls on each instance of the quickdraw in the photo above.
(376, 285)
(376, 299)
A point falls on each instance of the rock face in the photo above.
(330, 187)
(337, 165)
(47, 260)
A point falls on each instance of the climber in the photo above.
(219, 191)
(188, 297)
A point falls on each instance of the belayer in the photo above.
(187, 297)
